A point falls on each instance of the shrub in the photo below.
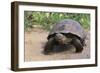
(47, 19)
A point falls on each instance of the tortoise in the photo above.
(66, 32)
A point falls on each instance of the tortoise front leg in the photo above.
(78, 45)
(49, 46)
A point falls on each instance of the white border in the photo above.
(23, 64)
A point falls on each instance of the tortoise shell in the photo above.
(67, 26)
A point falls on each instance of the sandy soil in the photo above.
(35, 40)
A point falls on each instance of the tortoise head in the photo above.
(62, 39)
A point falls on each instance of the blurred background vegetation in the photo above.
(45, 20)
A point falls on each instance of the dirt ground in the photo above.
(35, 40)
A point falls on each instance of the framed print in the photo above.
(52, 36)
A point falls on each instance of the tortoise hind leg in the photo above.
(78, 45)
